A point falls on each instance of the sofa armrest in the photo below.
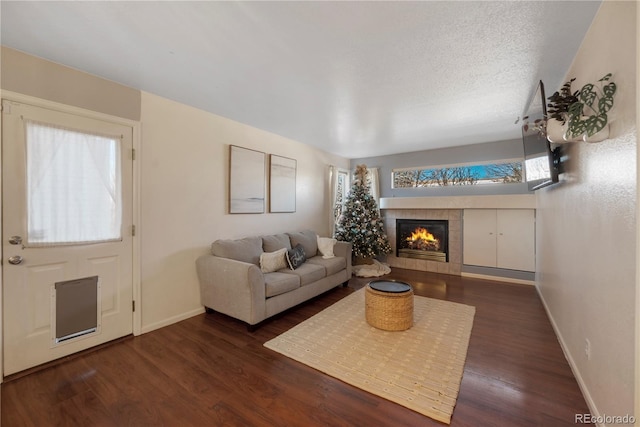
(232, 287)
(343, 249)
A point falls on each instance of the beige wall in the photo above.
(43, 79)
(183, 178)
(586, 242)
(184, 181)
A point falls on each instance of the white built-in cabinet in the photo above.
(499, 238)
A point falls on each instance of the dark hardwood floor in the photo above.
(210, 371)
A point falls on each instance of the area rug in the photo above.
(420, 368)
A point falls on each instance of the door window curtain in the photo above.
(74, 191)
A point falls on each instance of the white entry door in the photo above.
(67, 249)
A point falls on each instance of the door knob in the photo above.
(15, 240)
(15, 260)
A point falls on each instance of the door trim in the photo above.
(135, 125)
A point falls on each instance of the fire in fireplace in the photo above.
(422, 239)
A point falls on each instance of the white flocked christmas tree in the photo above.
(360, 222)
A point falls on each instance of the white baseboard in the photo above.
(171, 320)
(498, 278)
(567, 354)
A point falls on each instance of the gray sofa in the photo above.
(232, 281)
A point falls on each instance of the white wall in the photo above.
(183, 178)
(586, 242)
(184, 193)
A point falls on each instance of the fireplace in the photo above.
(422, 239)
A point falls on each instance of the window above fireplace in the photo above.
(502, 172)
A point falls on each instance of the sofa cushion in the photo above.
(273, 261)
(277, 283)
(245, 250)
(331, 265)
(308, 273)
(325, 246)
(296, 257)
(275, 241)
(308, 240)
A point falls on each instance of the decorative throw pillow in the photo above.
(296, 257)
(273, 261)
(325, 246)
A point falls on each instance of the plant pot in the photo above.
(567, 138)
(598, 136)
(556, 131)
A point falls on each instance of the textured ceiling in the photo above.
(357, 79)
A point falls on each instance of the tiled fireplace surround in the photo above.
(454, 216)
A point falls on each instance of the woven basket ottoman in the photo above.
(389, 305)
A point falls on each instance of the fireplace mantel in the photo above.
(504, 201)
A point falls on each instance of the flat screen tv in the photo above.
(541, 163)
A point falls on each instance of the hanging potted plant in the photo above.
(558, 112)
(595, 100)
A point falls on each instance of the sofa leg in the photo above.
(252, 328)
(345, 284)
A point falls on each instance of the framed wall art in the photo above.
(246, 180)
(282, 184)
